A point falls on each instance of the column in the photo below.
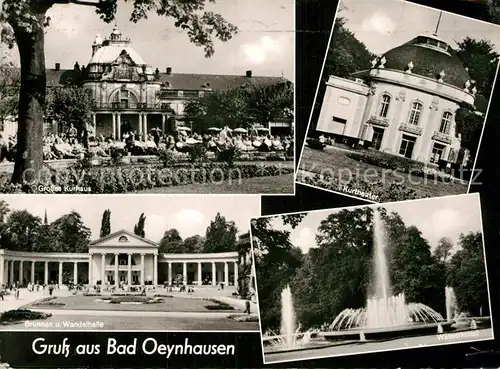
(226, 273)
(155, 269)
(184, 273)
(145, 123)
(114, 125)
(2, 271)
(103, 269)
(140, 123)
(60, 282)
(32, 279)
(46, 273)
(142, 269)
(75, 272)
(163, 120)
(119, 127)
(236, 273)
(12, 263)
(199, 273)
(94, 121)
(116, 270)
(129, 276)
(21, 274)
(214, 275)
(169, 273)
(90, 269)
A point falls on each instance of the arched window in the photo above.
(416, 109)
(445, 123)
(123, 239)
(384, 106)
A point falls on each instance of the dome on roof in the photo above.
(108, 54)
(429, 56)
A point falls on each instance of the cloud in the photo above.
(154, 227)
(378, 22)
(305, 239)
(448, 220)
(264, 49)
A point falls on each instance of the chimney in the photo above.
(249, 73)
(58, 66)
(169, 71)
(77, 66)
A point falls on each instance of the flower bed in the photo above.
(245, 318)
(219, 305)
(164, 296)
(48, 301)
(22, 314)
(135, 299)
(101, 180)
(91, 294)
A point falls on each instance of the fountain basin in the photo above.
(269, 340)
(465, 322)
(415, 329)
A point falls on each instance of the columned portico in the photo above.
(121, 258)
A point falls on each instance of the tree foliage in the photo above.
(220, 235)
(70, 105)
(105, 223)
(139, 227)
(469, 126)
(468, 275)
(171, 242)
(243, 106)
(481, 59)
(9, 91)
(193, 244)
(68, 233)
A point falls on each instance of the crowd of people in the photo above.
(74, 145)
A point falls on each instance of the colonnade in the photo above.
(8, 265)
(117, 122)
(199, 271)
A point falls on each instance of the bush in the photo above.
(314, 143)
(228, 155)
(116, 155)
(198, 153)
(218, 305)
(167, 157)
(22, 314)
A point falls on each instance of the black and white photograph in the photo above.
(371, 278)
(134, 263)
(401, 103)
(154, 97)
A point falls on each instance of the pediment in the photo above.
(123, 239)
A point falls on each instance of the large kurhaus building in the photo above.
(121, 257)
(130, 95)
(404, 104)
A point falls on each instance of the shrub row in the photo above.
(400, 164)
(22, 314)
(384, 193)
(100, 180)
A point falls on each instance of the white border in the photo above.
(319, 83)
(443, 343)
(11, 331)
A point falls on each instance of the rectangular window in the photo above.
(180, 93)
(378, 135)
(407, 145)
(339, 120)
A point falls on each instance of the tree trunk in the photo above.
(29, 155)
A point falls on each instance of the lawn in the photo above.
(335, 160)
(283, 184)
(170, 304)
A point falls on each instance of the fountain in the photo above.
(384, 311)
(451, 303)
(287, 318)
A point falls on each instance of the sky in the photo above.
(190, 215)
(435, 218)
(264, 44)
(384, 24)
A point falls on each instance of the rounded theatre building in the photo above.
(404, 104)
